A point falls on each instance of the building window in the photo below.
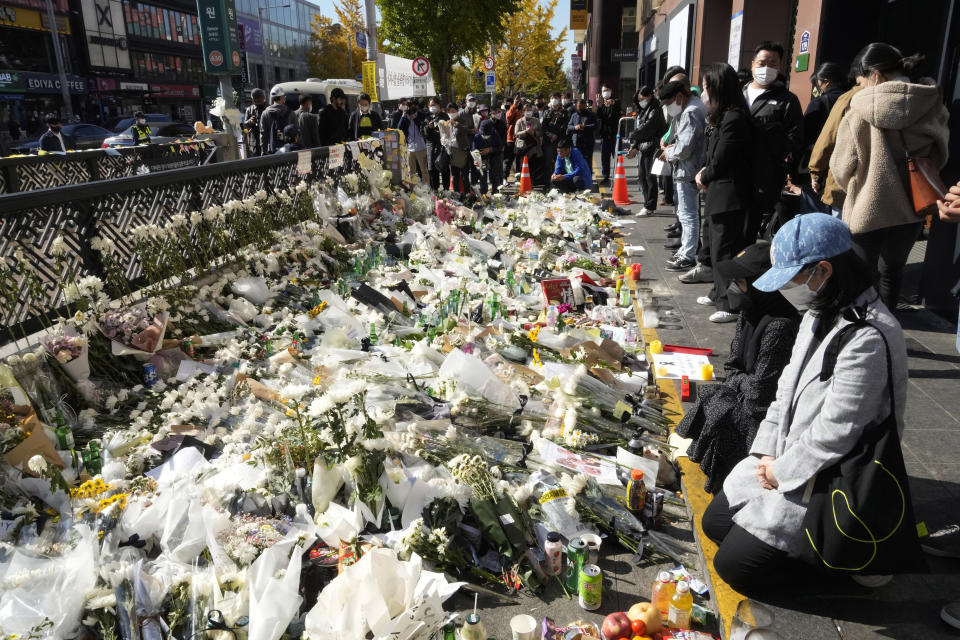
(147, 21)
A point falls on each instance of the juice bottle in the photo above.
(663, 590)
(681, 606)
(636, 493)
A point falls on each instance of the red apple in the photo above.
(648, 613)
(616, 625)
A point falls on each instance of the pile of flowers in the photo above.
(317, 375)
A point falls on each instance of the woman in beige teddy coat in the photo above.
(893, 114)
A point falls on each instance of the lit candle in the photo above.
(706, 372)
(656, 347)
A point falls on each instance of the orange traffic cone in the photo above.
(620, 196)
(526, 185)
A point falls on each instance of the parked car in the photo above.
(86, 136)
(161, 132)
(118, 125)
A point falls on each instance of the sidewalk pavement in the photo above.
(909, 606)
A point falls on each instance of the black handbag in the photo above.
(860, 516)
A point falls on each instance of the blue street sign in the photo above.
(491, 82)
(361, 39)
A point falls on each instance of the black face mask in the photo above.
(739, 301)
(55, 129)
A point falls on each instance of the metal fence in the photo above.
(30, 222)
(31, 173)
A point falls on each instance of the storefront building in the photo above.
(282, 43)
(29, 85)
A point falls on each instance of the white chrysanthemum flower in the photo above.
(37, 464)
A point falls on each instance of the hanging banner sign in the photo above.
(218, 36)
(369, 68)
(396, 79)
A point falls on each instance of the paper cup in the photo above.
(593, 547)
(523, 627)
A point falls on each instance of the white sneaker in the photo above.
(951, 614)
(872, 582)
(706, 301)
(699, 273)
(722, 316)
(644, 212)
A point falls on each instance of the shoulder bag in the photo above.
(859, 513)
(923, 182)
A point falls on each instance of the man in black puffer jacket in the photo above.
(273, 121)
(651, 125)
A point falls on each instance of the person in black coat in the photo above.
(608, 118)
(829, 83)
(727, 177)
(582, 126)
(490, 146)
(364, 121)
(724, 419)
(438, 164)
(53, 139)
(778, 117)
(334, 120)
(651, 125)
(553, 121)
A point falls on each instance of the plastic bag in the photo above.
(274, 580)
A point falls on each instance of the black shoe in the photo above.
(605, 182)
(673, 245)
(672, 227)
(674, 233)
(680, 264)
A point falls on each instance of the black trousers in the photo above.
(508, 153)
(492, 176)
(569, 186)
(887, 251)
(703, 253)
(746, 563)
(666, 185)
(726, 241)
(647, 181)
(608, 145)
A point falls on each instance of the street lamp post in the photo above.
(264, 41)
(58, 54)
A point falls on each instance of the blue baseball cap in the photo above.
(805, 239)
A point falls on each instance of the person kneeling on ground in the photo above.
(291, 139)
(571, 173)
(813, 423)
(724, 419)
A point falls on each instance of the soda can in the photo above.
(149, 374)
(576, 558)
(590, 587)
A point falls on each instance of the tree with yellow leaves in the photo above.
(529, 59)
(327, 57)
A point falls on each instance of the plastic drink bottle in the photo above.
(663, 590)
(681, 607)
(636, 493)
(553, 550)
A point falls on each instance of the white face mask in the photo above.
(471, 103)
(801, 295)
(764, 75)
(644, 103)
(673, 110)
(554, 102)
(528, 114)
(565, 102)
(403, 107)
(141, 121)
(364, 108)
(434, 108)
(452, 114)
(606, 94)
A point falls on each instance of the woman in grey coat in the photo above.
(812, 423)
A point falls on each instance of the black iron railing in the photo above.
(31, 173)
(31, 222)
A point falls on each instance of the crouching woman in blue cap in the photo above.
(813, 422)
